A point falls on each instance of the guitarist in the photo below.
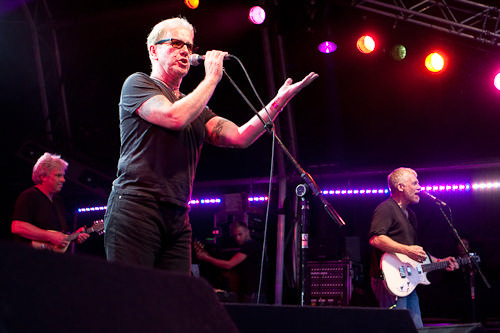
(394, 229)
(39, 213)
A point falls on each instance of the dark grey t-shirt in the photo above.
(388, 219)
(154, 161)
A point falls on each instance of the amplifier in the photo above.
(329, 282)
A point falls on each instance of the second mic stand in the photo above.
(473, 264)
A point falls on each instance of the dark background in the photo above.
(364, 116)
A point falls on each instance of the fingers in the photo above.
(304, 82)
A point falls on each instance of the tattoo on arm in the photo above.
(215, 134)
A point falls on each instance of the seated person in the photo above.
(244, 264)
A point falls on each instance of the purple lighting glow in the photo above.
(359, 192)
(91, 209)
(327, 47)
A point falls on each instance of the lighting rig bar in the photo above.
(463, 18)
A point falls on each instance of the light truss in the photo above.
(463, 18)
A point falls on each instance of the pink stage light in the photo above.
(257, 15)
(497, 81)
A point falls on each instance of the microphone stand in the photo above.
(473, 265)
(306, 177)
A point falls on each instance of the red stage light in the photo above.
(366, 44)
(192, 3)
(434, 62)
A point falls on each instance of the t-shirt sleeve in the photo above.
(381, 221)
(22, 211)
(136, 90)
(207, 114)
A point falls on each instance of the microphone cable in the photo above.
(269, 127)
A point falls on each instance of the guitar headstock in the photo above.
(97, 226)
(198, 246)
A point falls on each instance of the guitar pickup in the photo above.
(408, 269)
(402, 271)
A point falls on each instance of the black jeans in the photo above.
(142, 231)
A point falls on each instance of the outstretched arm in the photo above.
(224, 133)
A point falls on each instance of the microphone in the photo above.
(196, 59)
(436, 200)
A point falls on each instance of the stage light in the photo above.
(366, 44)
(434, 62)
(497, 81)
(257, 15)
(398, 52)
(192, 3)
(327, 47)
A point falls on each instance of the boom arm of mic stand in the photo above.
(311, 183)
(457, 236)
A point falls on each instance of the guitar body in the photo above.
(49, 246)
(402, 274)
(97, 226)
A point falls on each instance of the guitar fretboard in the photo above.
(443, 264)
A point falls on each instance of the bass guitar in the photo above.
(97, 226)
(402, 274)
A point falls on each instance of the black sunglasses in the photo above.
(177, 44)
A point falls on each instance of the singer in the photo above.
(393, 229)
(162, 132)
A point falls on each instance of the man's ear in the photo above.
(153, 52)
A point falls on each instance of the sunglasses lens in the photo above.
(179, 44)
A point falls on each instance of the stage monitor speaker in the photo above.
(41, 291)
(314, 319)
(463, 328)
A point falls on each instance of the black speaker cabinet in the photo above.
(42, 291)
(315, 319)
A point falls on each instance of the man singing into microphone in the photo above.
(162, 131)
(394, 229)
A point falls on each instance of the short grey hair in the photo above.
(160, 29)
(399, 176)
(44, 166)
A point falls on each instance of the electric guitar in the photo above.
(402, 274)
(97, 226)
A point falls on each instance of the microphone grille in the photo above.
(195, 59)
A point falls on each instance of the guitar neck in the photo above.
(443, 264)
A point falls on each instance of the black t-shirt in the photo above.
(34, 207)
(248, 270)
(154, 161)
(388, 219)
